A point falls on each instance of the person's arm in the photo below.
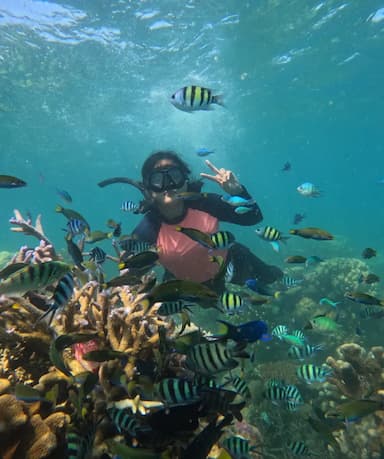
(227, 180)
(215, 206)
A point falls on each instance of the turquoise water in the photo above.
(85, 90)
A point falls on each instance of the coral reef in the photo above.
(356, 372)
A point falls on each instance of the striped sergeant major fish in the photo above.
(222, 239)
(192, 98)
(302, 352)
(241, 387)
(238, 446)
(76, 226)
(129, 206)
(312, 373)
(211, 358)
(290, 282)
(174, 391)
(98, 255)
(272, 235)
(133, 246)
(79, 443)
(125, 422)
(231, 303)
(167, 308)
(33, 277)
(299, 448)
(279, 331)
(60, 298)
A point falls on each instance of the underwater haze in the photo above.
(85, 95)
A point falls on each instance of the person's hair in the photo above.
(154, 158)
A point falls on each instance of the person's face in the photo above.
(167, 180)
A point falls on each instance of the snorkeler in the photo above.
(176, 202)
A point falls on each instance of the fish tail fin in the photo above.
(51, 310)
(277, 294)
(58, 208)
(381, 302)
(225, 329)
(178, 228)
(240, 352)
(275, 246)
(218, 99)
(236, 410)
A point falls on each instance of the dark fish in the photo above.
(61, 296)
(74, 251)
(203, 442)
(116, 227)
(297, 218)
(27, 393)
(64, 195)
(191, 98)
(128, 278)
(369, 279)
(258, 287)
(248, 332)
(33, 277)
(8, 181)
(358, 297)
(143, 260)
(312, 233)
(287, 167)
(295, 259)
(368, 253)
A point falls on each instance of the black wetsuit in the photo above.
(246, 264)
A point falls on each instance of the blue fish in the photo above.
(248, 332)
(242, 210)
(258, 287)
(204, 152)
(237, 201)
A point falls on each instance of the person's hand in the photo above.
(225, 178)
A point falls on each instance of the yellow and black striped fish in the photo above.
(231, 302)
(272, 235)
(222, 239)
(191, 98)
(33, 277)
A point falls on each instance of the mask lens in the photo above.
(166, 179)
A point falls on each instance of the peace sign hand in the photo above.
(225, 178)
